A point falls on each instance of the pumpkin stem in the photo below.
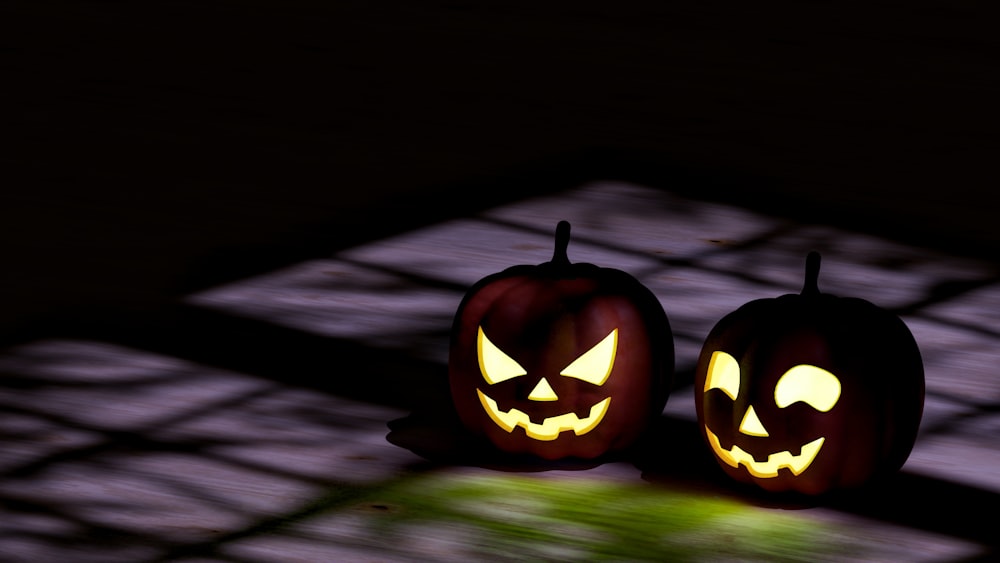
(562, 243)
(811, 287)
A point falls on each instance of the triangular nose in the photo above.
(751, 425)
(543, 392)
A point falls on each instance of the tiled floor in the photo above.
(278, 417)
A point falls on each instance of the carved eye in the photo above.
(724, 374)
(495, 365)
(809, 384)
(594, 365)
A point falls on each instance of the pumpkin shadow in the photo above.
(927, 503)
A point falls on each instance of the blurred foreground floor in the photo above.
(290, 416)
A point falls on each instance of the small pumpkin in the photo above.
(809, 392)
(560, 359)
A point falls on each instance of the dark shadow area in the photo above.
(284, 355)
(929, 504)
(162, 148)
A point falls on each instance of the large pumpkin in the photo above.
(560, 359)
(809, 392)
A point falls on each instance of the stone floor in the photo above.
(292, 416)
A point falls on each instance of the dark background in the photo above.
(156, 147)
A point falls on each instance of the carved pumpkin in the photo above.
(560, 359)
(809, 392)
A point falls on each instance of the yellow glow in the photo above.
(543, 392)
(723, 373)
(767, 469)
(751, 425)
(496, 365)
(551, 427)
(810, 384)
(594, 365)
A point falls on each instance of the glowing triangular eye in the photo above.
(594, 365)
(495, 365)
(724, 374)
(809, 384)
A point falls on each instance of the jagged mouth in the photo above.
(551, 427)
(766, 469)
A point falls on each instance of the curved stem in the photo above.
(559, 256)
(811, 286)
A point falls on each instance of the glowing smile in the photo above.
(551, 427)
(764, 469)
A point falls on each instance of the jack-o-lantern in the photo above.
(560, 359)
(809, 392)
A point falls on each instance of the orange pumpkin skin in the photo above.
(544, 317)
(870, 430)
